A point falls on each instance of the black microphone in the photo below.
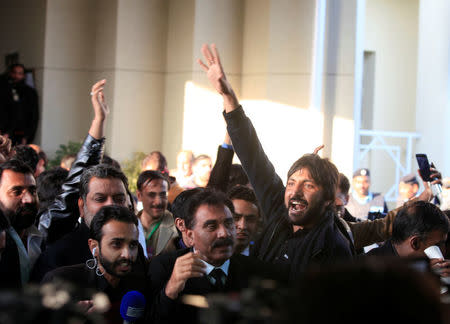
(132, 307)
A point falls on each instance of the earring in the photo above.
(92, 263)
(98, 272)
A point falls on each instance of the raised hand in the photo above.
(101, 110)
(427, 193)
(187, 266)
(99, 104)
(216, 76)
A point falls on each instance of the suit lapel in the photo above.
(166, 232)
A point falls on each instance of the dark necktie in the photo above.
(218, 278)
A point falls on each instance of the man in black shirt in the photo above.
(301, 228)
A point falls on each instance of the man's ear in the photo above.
(93, 244)
(190, 236)
(179, 223)
(139, 195)
(81, 207)
(414, 242)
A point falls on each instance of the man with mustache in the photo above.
(210, 266)
(300, 228)
(114, 269)
(19, 203)
(159, 227)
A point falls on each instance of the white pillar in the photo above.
(433, 83)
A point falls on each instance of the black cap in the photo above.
(409, 178)
(361, 172)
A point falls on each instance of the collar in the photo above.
(246, 251)
(224, 267)
(210, 267)
(362, 201)
(33, 231)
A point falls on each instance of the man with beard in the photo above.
(159, 227)
(300, 228)
(115, 267)
(19, 203)
(210, 266)
(88, 187)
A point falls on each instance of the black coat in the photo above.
(87, 283)
(71, 249)
(19, 111)
(324, 244)
(166, 310)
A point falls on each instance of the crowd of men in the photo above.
(274, 253)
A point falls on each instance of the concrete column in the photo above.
(340, 70)
(136, 121)
(180, 34)
(67, 74)
(433, 83)
(193, 108)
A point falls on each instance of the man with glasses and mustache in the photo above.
(209, 266)
(300, 229)
(19, 203)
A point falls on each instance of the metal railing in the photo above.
(379, 142)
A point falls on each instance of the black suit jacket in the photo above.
(166, 310)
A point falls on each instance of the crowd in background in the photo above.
(207, 243)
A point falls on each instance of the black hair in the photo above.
(148, 176)
(159, 158)
(101, 171)
(4, 222)
(108, 213)
(237, 176)
(27, 155)
(110, 161)
(181, 201)
(243, 193)
(343, 184)
(49, 185)
(15, 166)
(418, 218)
(205, 197)
(322, 171)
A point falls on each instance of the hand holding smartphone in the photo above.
(424, 166)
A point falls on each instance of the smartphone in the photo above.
(424, 166)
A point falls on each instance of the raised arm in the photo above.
(61, 216)
(267, 184)
(220, 173)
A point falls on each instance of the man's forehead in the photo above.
(207, 212)
(12, 178)
(153, 184)
(105, 183)
(120, 230)
(301, 173)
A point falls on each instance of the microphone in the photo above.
(132, 307)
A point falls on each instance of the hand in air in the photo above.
(214, 70)
(99, 104)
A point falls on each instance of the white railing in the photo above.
(379, 142)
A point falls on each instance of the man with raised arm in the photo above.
(300, 229)
(89, 187)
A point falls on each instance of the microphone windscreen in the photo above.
(132, 306)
